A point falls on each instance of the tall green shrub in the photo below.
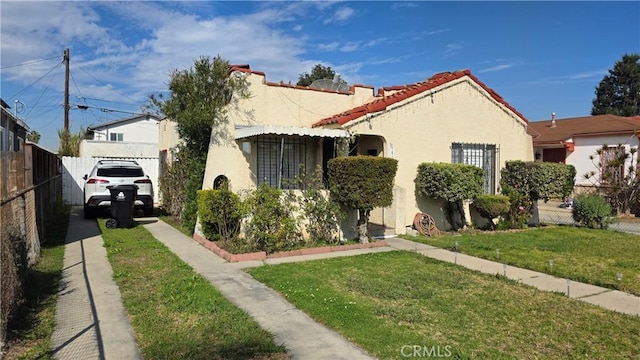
(272, 225)
(220, 212)
(362, 183)
(322, 213)
(527, 182)
(452, 183)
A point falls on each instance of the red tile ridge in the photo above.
(402, 92)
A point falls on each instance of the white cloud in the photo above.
(433, 32)
(404, 4)
(332, 46)
(341, 15)
(450, 50)
(497, 67)
(588, 75)
(350, 46)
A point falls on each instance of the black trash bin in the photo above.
(123, 199)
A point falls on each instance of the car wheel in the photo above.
(89, 213)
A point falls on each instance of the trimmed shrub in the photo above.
(322, 213)
(272, 225)
(221, 212)
(527, 182)
(452, 183)
(592, 211)
(492, 206)
(362, 183)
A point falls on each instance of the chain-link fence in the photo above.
(559, 212)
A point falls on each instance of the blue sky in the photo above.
(542, 57)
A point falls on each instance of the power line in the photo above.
(37, 80)
(42, 93)
(30, 62)
(103, 83)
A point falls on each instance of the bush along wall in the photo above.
(451, 183)
(362, 183)
(527, 182)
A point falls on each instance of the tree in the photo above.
(362, 183)
(619, 92)
(69, 144)
(619, 176)
(199, 100)
(318, 72)
(33, 136)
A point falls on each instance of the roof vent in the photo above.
(553, 119)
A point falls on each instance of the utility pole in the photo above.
(66, 90)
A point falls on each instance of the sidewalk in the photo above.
(607, 298)
(91, 322)
(303, 337)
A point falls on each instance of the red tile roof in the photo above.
(406, 91)
(544, 133)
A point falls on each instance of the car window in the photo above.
(120, 172)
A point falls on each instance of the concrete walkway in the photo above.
(609, 299)
(303, 337)
(91, 322)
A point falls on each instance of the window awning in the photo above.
(249, 131)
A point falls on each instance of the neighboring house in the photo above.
(135, 136)
(13, 131)
(574, 140)
(450, 117)
(168, 139)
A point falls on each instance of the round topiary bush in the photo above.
(492, 206)
(592, 211)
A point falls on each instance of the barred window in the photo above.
(480, 155)
(281, 161)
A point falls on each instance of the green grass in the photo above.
(176, 313)
(385, 302)
(29, 333)
(586, 255)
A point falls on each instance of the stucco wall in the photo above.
(587, 146)
(270, 105)
(92, 148)
(423, 128)
(140, 131)
(167, 134)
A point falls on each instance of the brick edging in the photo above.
(261, 255)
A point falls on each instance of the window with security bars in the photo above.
(281, 161)
(480, 155)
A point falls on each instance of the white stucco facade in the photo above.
(135, 136)
(420, 128)
(588, 146)
(423, 129)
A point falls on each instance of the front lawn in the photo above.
(587, 255)
(400, 304)
(176, 313)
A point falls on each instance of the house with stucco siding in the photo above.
(450, 117)
(576, 140)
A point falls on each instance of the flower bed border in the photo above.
(261, 255)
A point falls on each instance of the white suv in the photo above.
(115, 172)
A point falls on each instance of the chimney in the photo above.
(553, 119)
